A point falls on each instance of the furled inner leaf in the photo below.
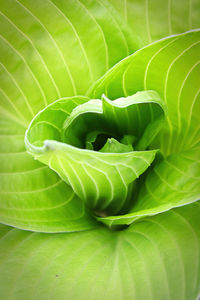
(103, 179)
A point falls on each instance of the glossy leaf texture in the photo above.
(157, 258)
(174, 181)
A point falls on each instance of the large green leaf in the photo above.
(157, 258)
(175, 180)
(151, 20)
(38, 66)
(34, 197)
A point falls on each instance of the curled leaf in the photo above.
(60, 136)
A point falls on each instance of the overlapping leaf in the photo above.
(103, 180)
(154, 259)
(37, 67)
(175, 181)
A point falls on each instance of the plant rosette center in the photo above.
(99, 147)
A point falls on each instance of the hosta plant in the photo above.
(100, 149)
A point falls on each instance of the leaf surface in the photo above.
(175, 180)
(149, 21)
(157, 258)
(37, 66)
(103, 180)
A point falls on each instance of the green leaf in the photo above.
(171, 68)
(149, 21)
(157, 258)
(172, 182)
(103, 180)
(113, 146)
(46, 55)
(175, 180)
(34, 197)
